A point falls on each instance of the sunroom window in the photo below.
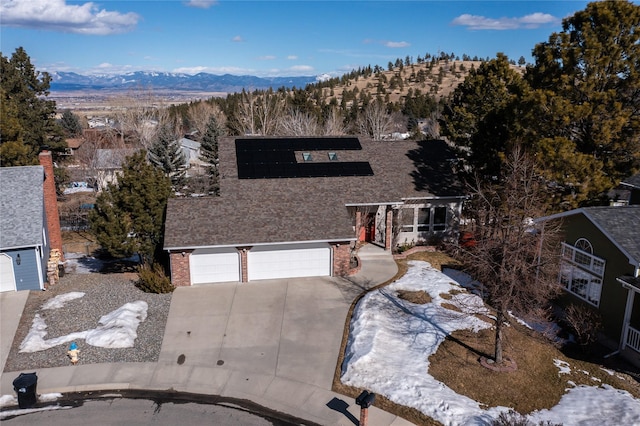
(581, 273)
(406, 220)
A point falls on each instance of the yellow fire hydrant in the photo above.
(73, 353)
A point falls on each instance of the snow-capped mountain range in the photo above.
(68, 81)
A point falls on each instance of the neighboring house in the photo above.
(29, 225)
(108, 165)
(601, 267)
(627, 193)
(294, 207)
(191, 151)
(73, 144)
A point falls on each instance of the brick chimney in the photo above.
(51, 201)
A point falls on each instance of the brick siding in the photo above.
(180, 275)
(341, 258)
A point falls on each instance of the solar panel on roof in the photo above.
(275, 158)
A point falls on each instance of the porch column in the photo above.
(388, 235)
(627, 318)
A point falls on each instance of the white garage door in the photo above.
(214, 265)
(7, 279)
(289, 261)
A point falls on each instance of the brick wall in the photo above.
(341, 257)
(180, 275)
(51, 202)
(244, 263)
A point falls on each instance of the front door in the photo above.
(370, 228)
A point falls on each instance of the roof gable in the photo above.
(21, 206)
(620, 224)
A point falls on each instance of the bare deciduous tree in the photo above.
(375, 121)
(297, 123)
(334, 124)
(259, 114)
(514, 258)
(199, 115)
(139, 114)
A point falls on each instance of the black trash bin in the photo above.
(25, 385)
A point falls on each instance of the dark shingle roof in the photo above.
(21, 206)
(633, 181)
(621, 224)
(308, 209)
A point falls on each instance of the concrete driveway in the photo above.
(274, 343)
(290, 328)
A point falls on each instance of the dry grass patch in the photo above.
(420, 297)
(437, 259)
(451, 307)
(535, 385)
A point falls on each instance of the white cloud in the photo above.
(302, 68)
(387, 43)
(214, 70)
(107, 68)
(396, 44)
(292, 57)
(201, 4)
(57, 15)
(237, 39)
(266, 58)
(476, 22)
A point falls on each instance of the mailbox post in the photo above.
(365, 400)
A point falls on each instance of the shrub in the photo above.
(585, 322)
(513, 418)
(152, 279)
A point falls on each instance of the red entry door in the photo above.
(370, 228)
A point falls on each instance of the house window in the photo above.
(581, 273)
(432, 219)
(406, 220)
(584, 245)
(333, 156)
(306, 156)
(439, 219)
(424, 219)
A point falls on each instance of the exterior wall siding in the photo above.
(416, 237)
(613, 297)
(28, 273)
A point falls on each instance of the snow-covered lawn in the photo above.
(117, 329)
(391, 339)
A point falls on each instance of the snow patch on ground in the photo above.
(117, 329)
(60, 300)
(391, 339)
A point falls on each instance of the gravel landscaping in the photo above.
(104, 293)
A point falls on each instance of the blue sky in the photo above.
(267, 38)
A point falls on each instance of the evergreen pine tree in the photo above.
(70, 123)
(209, 154)
(166, 154)
(27, 118)
(128, 217)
